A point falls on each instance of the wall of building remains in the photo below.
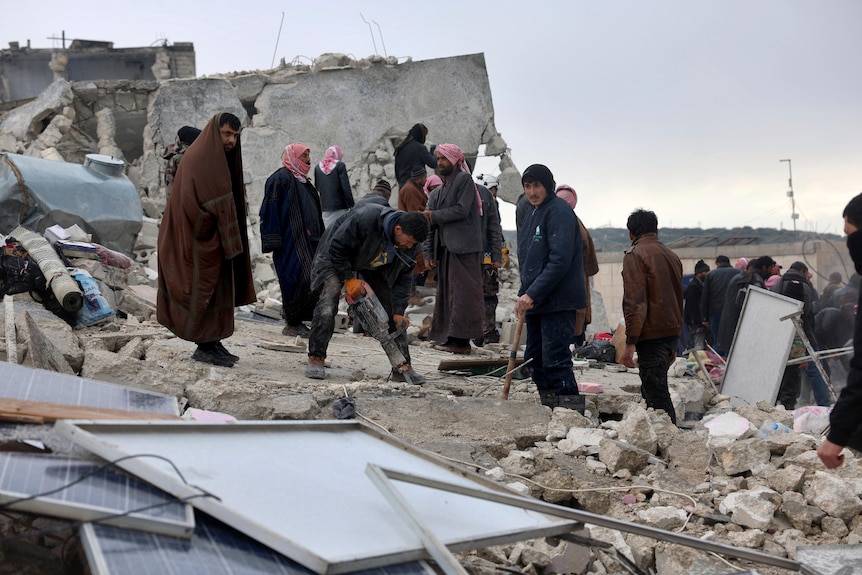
(26, 72)
(365, 106)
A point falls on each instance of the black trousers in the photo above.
(654, 359)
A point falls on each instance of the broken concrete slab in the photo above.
(62, 337)
(43, 353)
(488, 423)
(25, 123)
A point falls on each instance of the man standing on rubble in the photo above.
(412, 198)
(551, 261)
(691, 312)
(492, 261)
(844, 418)
(455, 250)
(291, 225)
(652, 306)
(714, 295)
(377, 244)
(591, 265)
(204, 264)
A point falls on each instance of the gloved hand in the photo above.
(354, 289)
(505, 257)
(401, 322)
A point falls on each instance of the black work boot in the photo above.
(548, 398)
(207, 353)
(573, 402)
(222, 350)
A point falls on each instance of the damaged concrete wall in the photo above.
(25, 72)
(365, 106)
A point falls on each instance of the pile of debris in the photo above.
(715, 480)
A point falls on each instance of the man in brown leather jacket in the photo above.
(652, 306)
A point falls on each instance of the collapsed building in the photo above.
(767, 495)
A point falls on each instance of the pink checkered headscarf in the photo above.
(291, 161)
(333, 156)
(432, 182)
(567, 193)
(453, 153)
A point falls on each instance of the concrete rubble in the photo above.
(713, 478)
(619, 460)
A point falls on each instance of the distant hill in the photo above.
(617, 239)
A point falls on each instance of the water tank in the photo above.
(96, 195)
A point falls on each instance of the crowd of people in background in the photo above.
(325, 244)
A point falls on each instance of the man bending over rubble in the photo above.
(378, 244)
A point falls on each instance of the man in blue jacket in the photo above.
(550, 258)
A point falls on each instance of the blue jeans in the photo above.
(714, 319)
(818, 385)
(548, 339)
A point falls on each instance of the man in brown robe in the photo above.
(203, 252)
(412, 198)
(455, 250)
(591, 265)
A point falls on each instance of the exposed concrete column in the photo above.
(162, 66)
(106, 130)
(59, 63)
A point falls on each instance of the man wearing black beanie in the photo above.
(691, 312)
(551, 262)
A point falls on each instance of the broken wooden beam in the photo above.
(11, 337)
(26, 411)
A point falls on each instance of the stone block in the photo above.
(507, 334)
(341, 320)
(617, 455)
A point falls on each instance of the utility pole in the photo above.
(62, 37)
(793, 215)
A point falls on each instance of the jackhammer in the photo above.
(368, 310)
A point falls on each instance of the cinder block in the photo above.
(341, 320)
(507, 333)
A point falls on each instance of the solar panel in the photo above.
(214, 549)
(301, 488)
(103, 492)
(21, 382)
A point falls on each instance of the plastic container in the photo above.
(96, 308)
(770, 427)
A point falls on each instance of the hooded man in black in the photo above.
(551, 262)
(844, 419)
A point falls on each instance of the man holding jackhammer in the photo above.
(373, 246)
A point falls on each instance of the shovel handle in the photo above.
(513, 355)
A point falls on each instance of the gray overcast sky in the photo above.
(683, 107)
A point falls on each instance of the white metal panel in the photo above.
(301, 488)
(761, 345)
